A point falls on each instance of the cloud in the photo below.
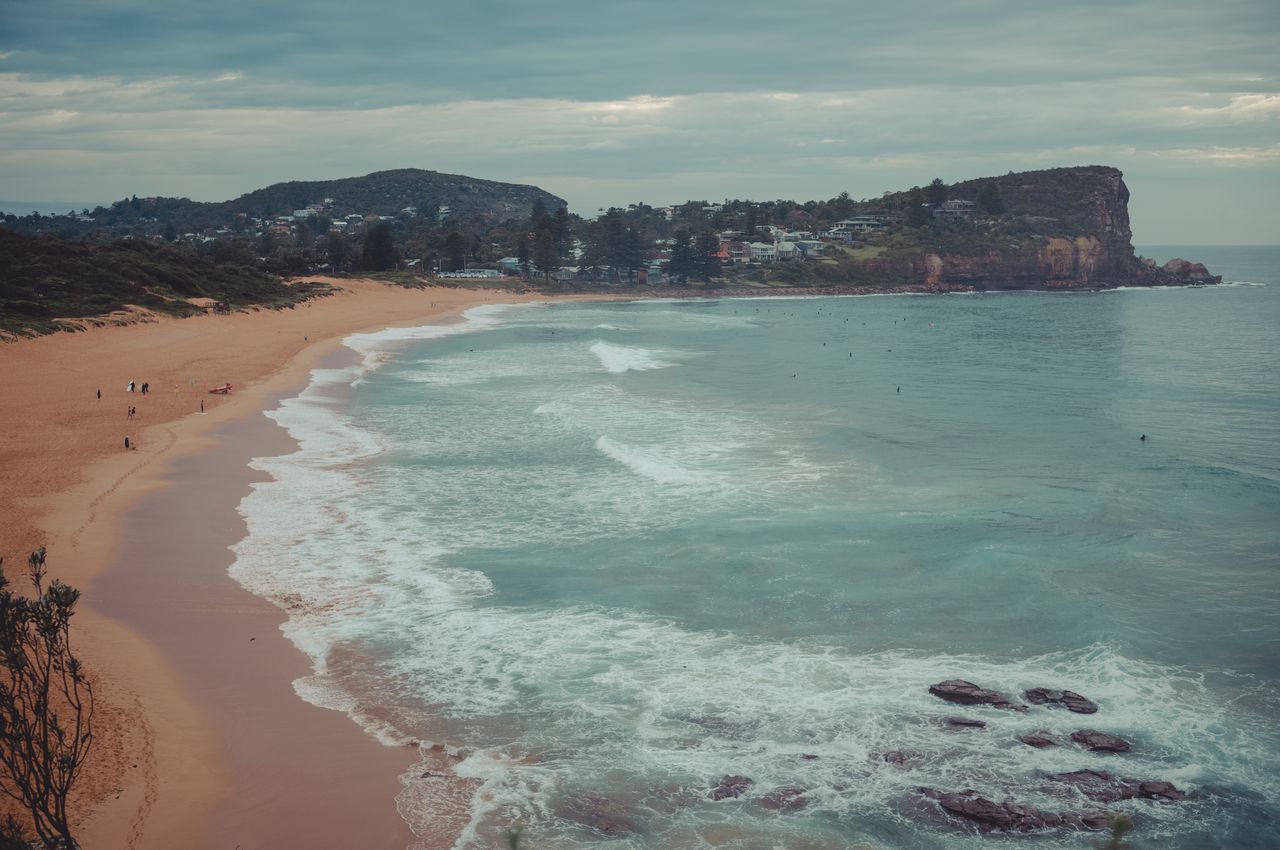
(1241, 107)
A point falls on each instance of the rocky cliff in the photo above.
(1064, 228)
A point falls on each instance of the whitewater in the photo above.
(609, 553)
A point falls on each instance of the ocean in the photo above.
(612, 552)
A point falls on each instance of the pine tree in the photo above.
(708, 252)
(684, 261)
(545, 256)
(917, 215)
(937, 193)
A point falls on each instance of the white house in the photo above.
(763, 252)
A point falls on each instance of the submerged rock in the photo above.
(788, 798)
(969, 807)
(1039, 740)
(967, 693)
(1070, 700)
(962, 724)
(731, 786)
(603, 814)
(1100, 742)
(1100, 786)
(901, 758)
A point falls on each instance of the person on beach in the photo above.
(202, 405)
(126, 442)
(130, 416)
(99, 395)
(130, 387)
(145, 387)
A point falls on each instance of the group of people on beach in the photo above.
(132, 410)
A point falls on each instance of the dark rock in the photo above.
(1039, 740)
(967, 693)
(989, 816)
(603, 814)
(1190, 272)
(961, 724)
(731, 786)
(788, 798)
(901, 758)
(1152, 790)
(1100, 786)
(1100, 742)
(1070, 700)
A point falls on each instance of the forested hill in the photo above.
(45, 281)
(389, 192)
(431, 195)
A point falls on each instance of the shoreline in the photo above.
(159, 771)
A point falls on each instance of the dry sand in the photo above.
(201, 741)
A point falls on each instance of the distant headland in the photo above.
(1057, 229)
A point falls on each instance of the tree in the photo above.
(545, 256)
(338, 249)
(455, 251)
(379, 251)
(708, 252)
(170, 232)
(523, 255)
(989, 200)
(684, 261)
(562, 227)
(917, 215)
(46, 702)
(937, 193)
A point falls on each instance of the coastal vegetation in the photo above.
(46, 707)
(48, 284)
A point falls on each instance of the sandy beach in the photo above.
(201, 741)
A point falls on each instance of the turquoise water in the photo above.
(624, 549)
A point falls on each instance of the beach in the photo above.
(200, 738)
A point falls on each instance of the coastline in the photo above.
(160, 774)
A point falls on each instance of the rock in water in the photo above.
(731, 786)
(1100, 786)
(1100, 742)
(1069, 700)
(967, 693)
(788, 798)
(604, 815)
(962, 724)
(990, 816)
(1039, 740)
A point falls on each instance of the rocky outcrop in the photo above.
(730, 787)
(1070, 700)
(1064, 228)
(972, 809)
(967, 693)
(602, 814)
(788, 798)
(1039, 740)
(1100, 742)
(1098, 785)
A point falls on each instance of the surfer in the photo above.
(1143, 438)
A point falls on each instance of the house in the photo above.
(307, 213)
(738, 252)
(509, 265)
(955, 209)
(811, 248)
(763, 252)
(786, 250)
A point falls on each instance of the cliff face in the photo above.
(1065, 228)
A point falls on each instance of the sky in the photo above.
(612, 103)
